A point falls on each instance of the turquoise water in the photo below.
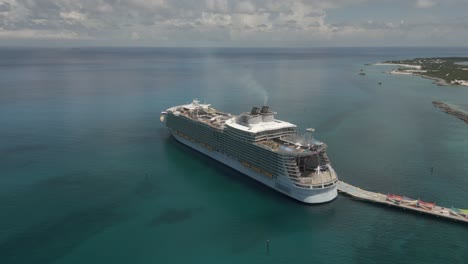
(88, 174)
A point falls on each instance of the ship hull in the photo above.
(280, 184)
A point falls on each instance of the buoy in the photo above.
(268, 246)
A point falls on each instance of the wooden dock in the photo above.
(364, 195)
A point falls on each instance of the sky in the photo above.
(241, 23)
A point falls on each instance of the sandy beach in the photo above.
(396, 64)
(399, 72)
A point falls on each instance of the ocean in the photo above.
(88, 173)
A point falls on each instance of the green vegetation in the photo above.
(442, 68)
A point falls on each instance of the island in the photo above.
(444, 70)
(451, 110)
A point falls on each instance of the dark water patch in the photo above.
(23, 149)
(144, 139)
(21, 156)
(25, 163)
(147, 187)
(62, 194)
(49, 241)
(83, 181)
(173, 216)
(17, 164)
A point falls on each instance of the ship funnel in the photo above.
(264, 109)
(255, 110)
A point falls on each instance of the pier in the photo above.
(403, 203)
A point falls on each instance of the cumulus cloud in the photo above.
(148, 19)
(73, 16)
(160, 22)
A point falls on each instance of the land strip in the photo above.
(444, 70)
(452, 111)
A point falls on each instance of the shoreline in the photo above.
(437, 81)
(419, 72)
(397, 64)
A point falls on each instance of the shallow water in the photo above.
(88, 174)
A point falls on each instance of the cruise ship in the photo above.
(256, 144)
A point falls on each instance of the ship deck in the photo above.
(211, 117)
(277, 145)
(322, 178)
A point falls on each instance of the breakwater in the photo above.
(452, 111)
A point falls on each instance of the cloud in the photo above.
(204, 22)
(245, 7)
(43, 34)
(5, 7)
(148, 19)
(424, 3)
(73, 16)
